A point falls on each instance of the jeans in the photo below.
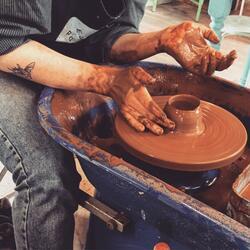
(44, 173)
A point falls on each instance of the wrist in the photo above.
(160, 44)
(98, 79)
(165, 40)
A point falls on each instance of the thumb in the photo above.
(142, 76)
(209, 34)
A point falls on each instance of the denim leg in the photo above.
(44, 173)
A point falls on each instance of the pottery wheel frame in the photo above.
(178, 166)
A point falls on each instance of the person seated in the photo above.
(64, 44)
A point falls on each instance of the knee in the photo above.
(8, 154)
(44, 191)
(18, 100)
(16, 94)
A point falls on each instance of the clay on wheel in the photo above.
(222, 141)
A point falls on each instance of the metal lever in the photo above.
(114, 220)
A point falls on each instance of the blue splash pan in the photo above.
(157, 210)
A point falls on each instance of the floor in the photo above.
(167, 14)
(6, 186)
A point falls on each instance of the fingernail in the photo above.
(160, 131)
(142, 128)
(233, 54)
(171, 125)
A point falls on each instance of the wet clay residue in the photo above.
(217, 196)
(71, 111)
(69, 108)
(221, 143)
(185, 42)
(238, 206)
(187, 114)
(245, 193)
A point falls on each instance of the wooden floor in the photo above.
(178, 11)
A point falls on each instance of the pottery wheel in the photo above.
(221, 143)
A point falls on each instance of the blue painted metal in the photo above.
(157, 211)
(142, 236)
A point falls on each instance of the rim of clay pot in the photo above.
(163, 151)
(184, 110)
(192, 101)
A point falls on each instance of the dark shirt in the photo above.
(101, 22)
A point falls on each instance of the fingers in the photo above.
(153, 127)
(149, 124)
(160, 117)
(136, 120)
(142, 76)
(152, 111)
(209, 34)
(132, 121)
(215, 60)
(212, 64)
(137, 105)
(227, 60)
(220, 62)
(204, 64)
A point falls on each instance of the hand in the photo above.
(128, 89)
(186, 43)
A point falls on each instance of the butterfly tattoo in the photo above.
(23, 72)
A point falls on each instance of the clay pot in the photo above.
(185, 111)
(206, 136)
(239, 202)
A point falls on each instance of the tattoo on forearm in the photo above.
(23, 72)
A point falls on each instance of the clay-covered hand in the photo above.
(128, 89)
(186, 43)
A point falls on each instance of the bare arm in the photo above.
(134, 47)
(185, 42)
(40, 64)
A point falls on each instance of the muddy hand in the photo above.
(186, 43)
(136, 105)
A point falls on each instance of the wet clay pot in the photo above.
(185, 111)
(239, 203)
(206, 136)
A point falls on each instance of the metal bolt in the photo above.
(111, 225)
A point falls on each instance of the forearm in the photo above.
(134, 47)
(40, 64)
